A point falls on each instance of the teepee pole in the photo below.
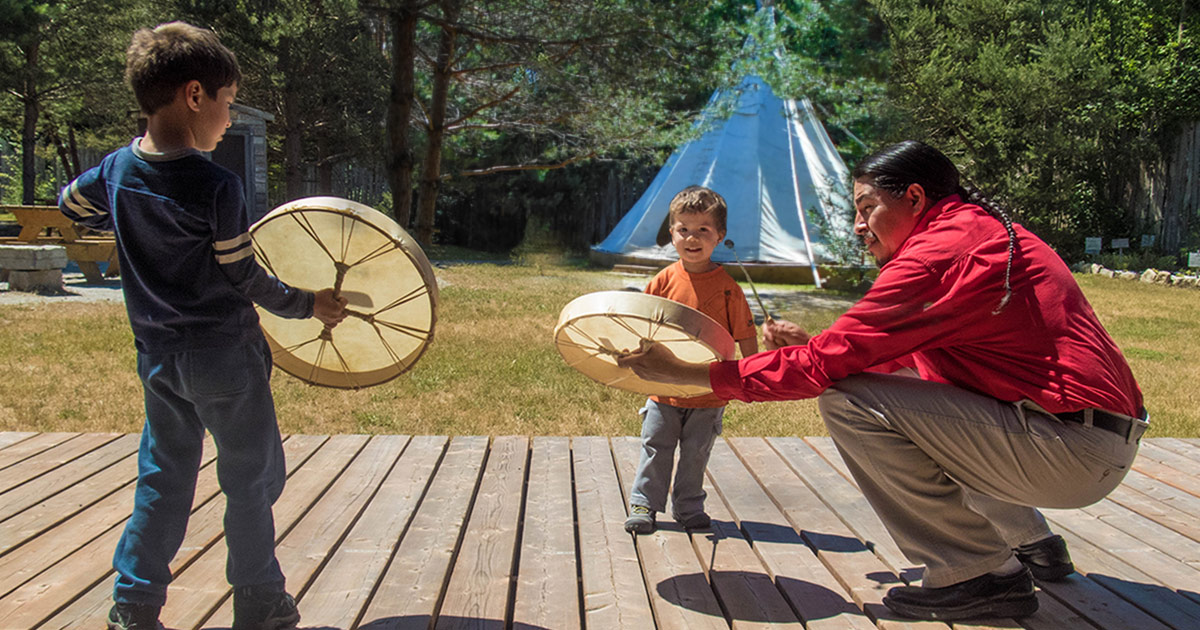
(790, 108)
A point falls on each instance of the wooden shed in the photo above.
(244, 151)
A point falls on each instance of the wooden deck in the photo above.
(416, 532)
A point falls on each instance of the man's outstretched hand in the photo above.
(654, 362)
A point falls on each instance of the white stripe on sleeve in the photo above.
(225, 259)
(232, 243)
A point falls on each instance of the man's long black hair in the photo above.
(896, 167)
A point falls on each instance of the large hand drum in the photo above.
(596, 328)
(322, 242)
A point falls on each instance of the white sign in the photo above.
(1147, 240)
(1194, 259)
(1120, 243)
(1092, 245)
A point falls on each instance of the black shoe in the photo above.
(699, 520)
(985, 596)
(1047, 558)
(134, 617)
(258, 608)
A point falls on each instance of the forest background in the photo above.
(508, 122)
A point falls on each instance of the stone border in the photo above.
(1149, 276)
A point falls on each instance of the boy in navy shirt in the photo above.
(190, 282)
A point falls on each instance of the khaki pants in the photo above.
(955, 476)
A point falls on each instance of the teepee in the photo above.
(778, 171)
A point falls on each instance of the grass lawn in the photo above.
(493, 369)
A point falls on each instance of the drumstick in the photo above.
(729, 244)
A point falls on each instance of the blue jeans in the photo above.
(228, 392)
(664, 426)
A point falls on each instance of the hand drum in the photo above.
(596, 328)
(322, 242)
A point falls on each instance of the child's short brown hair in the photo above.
(159, 61)
(698, 199)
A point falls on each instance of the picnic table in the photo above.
(87, 248)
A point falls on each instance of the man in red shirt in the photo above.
(1024, 400)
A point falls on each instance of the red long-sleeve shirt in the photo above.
(933, 305)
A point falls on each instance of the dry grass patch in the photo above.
(1158, 329)
(68, 367)
(493, 369)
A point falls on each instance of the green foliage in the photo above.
(1137, 261)
(61, 69)
(317, 66)
(832, 53)
(1053, 107)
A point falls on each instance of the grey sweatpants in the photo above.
(663, 427)
(955, 476)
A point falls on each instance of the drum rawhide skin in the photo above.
(391, 293)
(594, 329)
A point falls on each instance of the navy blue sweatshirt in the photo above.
(187, 264)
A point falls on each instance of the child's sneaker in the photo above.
(699, 520)
(640, 521)
(258, 608)
(134, 617)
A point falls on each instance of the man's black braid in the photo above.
(970, 194)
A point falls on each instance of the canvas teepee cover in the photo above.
(769, 160)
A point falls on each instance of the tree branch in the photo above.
(453, 123)
(524, 167)
(497, 38)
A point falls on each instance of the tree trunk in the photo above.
(403, 21)
(73, 146)
(324, 169)
(431, 167)
(293, 175)
(60, 148)
(30, 97)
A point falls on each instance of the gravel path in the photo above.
(75, 289)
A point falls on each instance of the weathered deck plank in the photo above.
(481, 579)
(816, 594)
(512, 532)
(738, 574)
(548, 591)
(29, 469)
(614, 594)
(90, 608)
(309, 541)
(19, 450)
(335, 576)
(679, 590)
(414, 584)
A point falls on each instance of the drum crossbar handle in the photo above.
(341, 268)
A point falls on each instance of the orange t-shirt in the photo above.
(715, 294)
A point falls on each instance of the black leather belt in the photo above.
(1121, 425)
